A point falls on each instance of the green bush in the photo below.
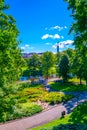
(19, 100)
(55, 97)
(67, 97)
(24, 85)
(68, 127)
(27, 109)
(79, 114)
(6, 108)
(19, 111)
(22, 100)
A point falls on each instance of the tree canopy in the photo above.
(10, 54)
(79, 26)
(64, 67)
(48, 60)
(34, 65)
(79, 29)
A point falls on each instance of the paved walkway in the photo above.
(44, 117)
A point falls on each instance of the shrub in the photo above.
(6, 109)
(22, 100)
(24, 85)
(28, 109)
(55, 97)
(19, 111)
(79, 114)
(68, 127)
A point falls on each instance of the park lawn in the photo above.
(78, 116)
(76, 80)
(25, 96)
(67, 87)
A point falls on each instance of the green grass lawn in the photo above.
(78, 116)
(67, 87)
(74, 80)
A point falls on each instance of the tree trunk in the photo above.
(80, 81)
(86, 82)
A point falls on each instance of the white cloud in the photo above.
(27, 45)
(45, 36)
(55, 27)
(59, 28)
(55, 36)
(67, 42)
(63, 44)
(48, 43)
(31, 47)
(65, 27)
(62, 37)
(22, 48)
(54, 46)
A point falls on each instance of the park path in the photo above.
(45, 116)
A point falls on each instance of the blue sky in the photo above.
(42, 24)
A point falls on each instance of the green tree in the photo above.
(10, 60)
(79, 14)
(79, 26)
(80, 66)
(58, 58)
(48, 60)
(71, 56)
(79, 29)
(34, 65)
(10, 55)
(64, 67)
(70, 53)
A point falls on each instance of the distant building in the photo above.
(28, 55)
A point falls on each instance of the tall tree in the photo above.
(34, 65)
(10, 60)
(80, 66)
(79, 14)
(58, 58)
(48, 60)
(10, 55)
(79, 28)
(71, 56)
(64, 67)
